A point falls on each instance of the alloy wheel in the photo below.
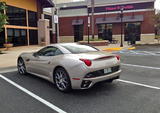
(62, 80)
(21, 67)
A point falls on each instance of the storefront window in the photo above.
(132, 30)
(17, 36)
(105, 31)
(2, 38)
(78, 32)
(16, 16)
(32, 18)
(33, 37)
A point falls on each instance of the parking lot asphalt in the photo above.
(12, 100)
(137, 91)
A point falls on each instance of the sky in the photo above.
(157, 4)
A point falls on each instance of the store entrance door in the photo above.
(78, 33)
(132, 32)
(105, 32)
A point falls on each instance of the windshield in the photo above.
(77, 48)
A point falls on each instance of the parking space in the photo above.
(137, 91)
(139, 53)
(144, 56)
(13, 100)
(118, 97)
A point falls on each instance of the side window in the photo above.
(58, 52)
(49, 51)
(41, 52)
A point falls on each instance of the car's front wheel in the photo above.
(21, 66)
(62, 80)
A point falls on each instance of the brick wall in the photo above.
(147, 26)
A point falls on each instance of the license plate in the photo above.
(108, 70)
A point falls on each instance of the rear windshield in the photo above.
(76, 48)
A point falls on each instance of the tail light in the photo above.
(118, 57)
(87, 62)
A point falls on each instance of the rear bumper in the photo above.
(92, 81)
(102, 78)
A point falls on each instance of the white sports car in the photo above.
(70, 65)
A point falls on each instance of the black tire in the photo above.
(110, 81)
(62, 80)
(21, 67)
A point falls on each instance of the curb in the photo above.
(8, 69)
(118, 49)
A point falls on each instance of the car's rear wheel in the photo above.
(62, 80)
(21, 67)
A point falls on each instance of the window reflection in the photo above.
(33, 37)
(132, 30)
(16, 16)
(105, 31)
(17, 36)
(32, 19)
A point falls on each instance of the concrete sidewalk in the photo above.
(8, 60)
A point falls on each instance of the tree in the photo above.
(157, 22)
(3, 17)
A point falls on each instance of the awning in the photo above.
(77, 22)
(47, 3)
(135, 18)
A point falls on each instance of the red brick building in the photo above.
(137, 20)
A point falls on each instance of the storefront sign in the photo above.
(134, 6)
(115, 8)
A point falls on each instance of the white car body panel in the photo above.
(43, 66)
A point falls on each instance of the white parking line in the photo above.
(50, 105)
(133, 52)
(150, 53)
(140, 53)
(148, 67)
(139, 84)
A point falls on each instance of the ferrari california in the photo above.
(70, 65)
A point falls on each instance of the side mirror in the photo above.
(35, 54)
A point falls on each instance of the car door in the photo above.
(42, 61)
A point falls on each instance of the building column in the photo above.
(6, 35)
(39, 9)
(5, 30)
(27, 28)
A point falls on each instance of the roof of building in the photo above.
(47, 3)
(102, 2)
(72, 4)
(99, 2)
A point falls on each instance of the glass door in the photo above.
(17, 36)
(78, 33)
(105, 31)
(132, 31)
